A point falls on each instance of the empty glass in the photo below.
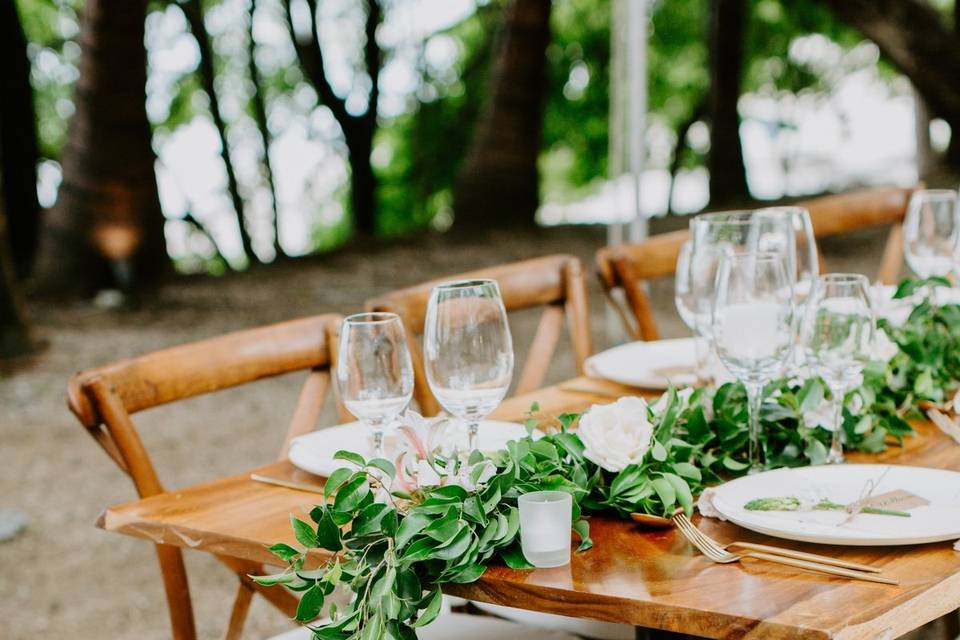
(803, 266)
(545, 523)
(930, 232)
(468, 351)
(753, 326)
(694, 311)
(838, 333)
(374, 371)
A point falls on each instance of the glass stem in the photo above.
(754, 399)
(376, 431)
(702, 350)
(836, 443)
(472, 428)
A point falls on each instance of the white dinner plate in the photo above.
(655, 364)
(846, 483)
(314, 452)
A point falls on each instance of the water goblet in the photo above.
(374, 371)
(468, 350)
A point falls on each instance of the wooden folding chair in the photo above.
(556, 282)
(104, 399)
(627, 266)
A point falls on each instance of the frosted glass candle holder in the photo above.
(545, 524)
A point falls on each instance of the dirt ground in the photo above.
(64, 576)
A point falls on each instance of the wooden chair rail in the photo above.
(627, 266)
(555, 282)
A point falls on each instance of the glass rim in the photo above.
(787, 208)
(551, 496)
(733, 216)
(371, 317)
(466, 283)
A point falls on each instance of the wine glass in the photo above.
(839, 331)
(374, 371)
(804, 265)
(694, 311)
(930, 232)
(468, 350)
(714, 234)
(753, 325)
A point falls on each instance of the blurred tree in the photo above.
(953, 150)
(358, 128)
(18, 143)
(14, 337)
(913, 35)
(259, 107)
(107, 226)
(193, 11)
(498, 183)
(728, 175)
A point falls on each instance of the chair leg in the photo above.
(238, 615)
(951, 624)
(178, 592)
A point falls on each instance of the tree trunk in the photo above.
(193, 11)
(728, 176)
(107, 219)
(363, 182)
(498, 183)
(953, 150)
(18, 143)
(14, 337)
(258, 102)
(911, 34)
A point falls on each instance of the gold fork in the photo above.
(718, 554)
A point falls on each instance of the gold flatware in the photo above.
(718, 554)
(287, 484)
(800, 555)
(654, 522)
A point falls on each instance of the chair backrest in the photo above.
(555, 282)
(103, 400)
(627, 266)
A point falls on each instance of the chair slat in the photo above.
(239, 611)
(541, 349)
(308, 409)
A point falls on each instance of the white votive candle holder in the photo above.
(545, 524)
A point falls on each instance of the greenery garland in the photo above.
(403, 542)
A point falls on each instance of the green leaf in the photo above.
(582, 527)
(513, 557)
(310, 604)
(665, 491)
(303, 532)
(431, 610)
(350, 456)
(284, 551)
(658, 452)
(335, 481)
(383, 465)
(352, 494)
(455, 547)
(682, 491)
(328, 534)
(412, 524)
(278, 578)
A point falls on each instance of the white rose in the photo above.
(616, 435)
(883, 347)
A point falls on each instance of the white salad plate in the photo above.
(314, 452)
(846, 483)
(656, 364)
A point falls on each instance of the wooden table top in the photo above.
(647, 578)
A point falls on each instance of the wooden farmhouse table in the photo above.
(650, 579)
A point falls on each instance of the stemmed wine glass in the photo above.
(753, 326)
(714, 234)
(374, 371)
(931, 231)
(468, 350)
(839, 331)
(694, 311)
